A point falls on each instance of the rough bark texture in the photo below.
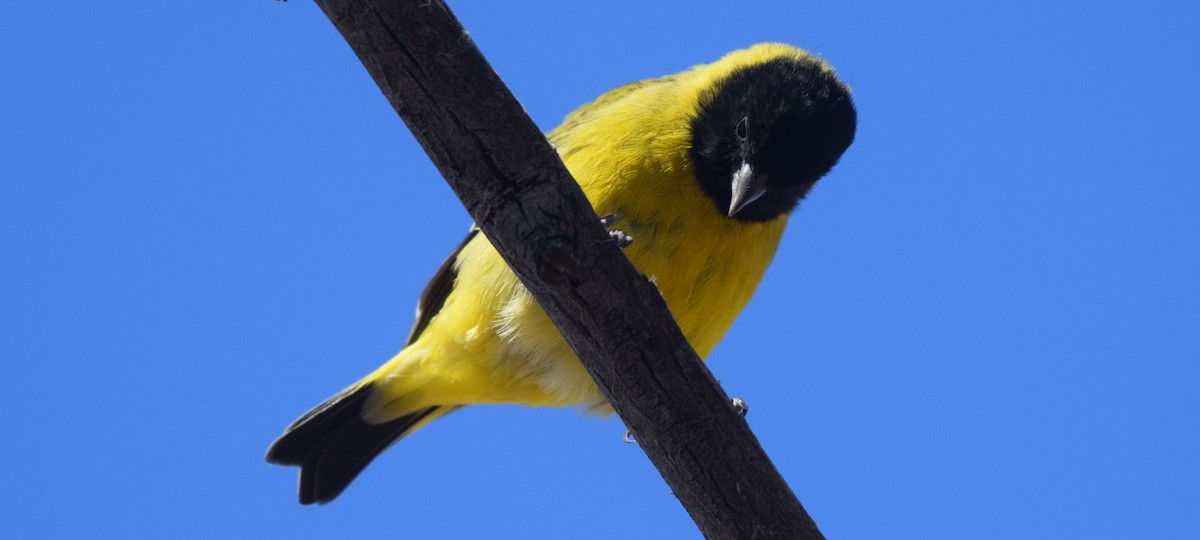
(514, 185)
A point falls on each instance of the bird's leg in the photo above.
(623, 240)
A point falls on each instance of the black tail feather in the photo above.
(332, 444)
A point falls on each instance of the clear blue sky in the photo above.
(983, 324)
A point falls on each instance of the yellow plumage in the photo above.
(631, 150)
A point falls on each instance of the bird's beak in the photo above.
(747, 187)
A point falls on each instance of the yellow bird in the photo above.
(702, 169)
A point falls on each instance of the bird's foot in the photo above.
(740, 405)
(623, 240)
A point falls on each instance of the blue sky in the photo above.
(983, 324)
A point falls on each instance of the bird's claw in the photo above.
(623, 240)
(740, 405)
(629, 438)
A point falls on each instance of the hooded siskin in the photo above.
(702, 168)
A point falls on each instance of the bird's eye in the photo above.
(742, 126)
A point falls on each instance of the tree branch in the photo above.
(518, 191)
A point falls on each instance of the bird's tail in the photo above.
(332, 443)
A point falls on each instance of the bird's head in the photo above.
(766, 132)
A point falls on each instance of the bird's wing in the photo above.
(597, 107)
(433, 297)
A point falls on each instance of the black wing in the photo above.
(434, 296)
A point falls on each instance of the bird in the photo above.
(701, 168)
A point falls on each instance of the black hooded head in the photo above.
(768, 132)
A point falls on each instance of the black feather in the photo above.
(332, 444)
